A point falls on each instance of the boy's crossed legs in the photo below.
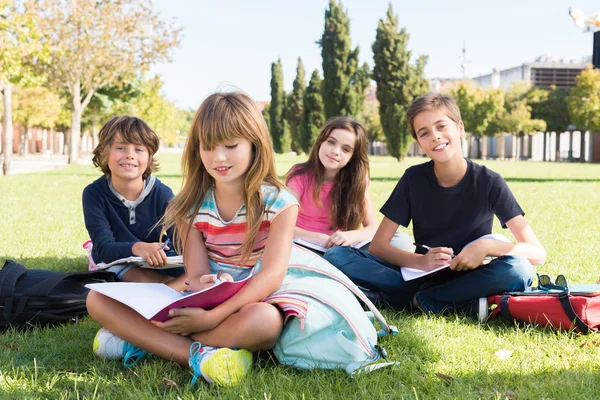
(441, 292)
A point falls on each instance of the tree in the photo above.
(20, 49)
(478, 108)
(516, 116)
(36, 106)
(279, 128)
(313, 117)
(344, 82)
(398, 82)
(583, 103)
(266, 113)
(97, 43)
(372, 121)
(550, 105)
(294, 108)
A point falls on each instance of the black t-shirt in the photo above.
(454, 216)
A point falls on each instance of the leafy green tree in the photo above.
(35, 106)
(372, 121)
(516, 116)
(98, 43)
(266, 112)
(398, 82)
(344, 81)
(20, 48)
(478, 108)
(583, 103)
(294, 107)
(313, 117)
(550, 105)
(278, 124)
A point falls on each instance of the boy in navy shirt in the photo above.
(451, 202)
(122, 207)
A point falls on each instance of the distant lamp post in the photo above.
(589, 24)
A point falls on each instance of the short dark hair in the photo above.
(132, 130)
(432, 102)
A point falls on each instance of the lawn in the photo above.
(42, 227)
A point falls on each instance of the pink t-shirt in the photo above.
(311, 217)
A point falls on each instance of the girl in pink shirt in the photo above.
(332, 187)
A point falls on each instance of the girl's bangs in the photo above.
(217, 130)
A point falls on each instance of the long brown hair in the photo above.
(348, 208)
(222, 118)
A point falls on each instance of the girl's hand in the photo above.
(185, 321)
(435, 258)
(205, 281)
(470, 257)
(153, 253)
(340, 239)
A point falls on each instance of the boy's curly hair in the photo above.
(131, 130)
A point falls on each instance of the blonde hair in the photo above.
(348, 209)
(222, 118)
(432, 102)
(132, 130)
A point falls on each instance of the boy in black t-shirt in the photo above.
(451, 202)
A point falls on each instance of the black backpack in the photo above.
(36, 297)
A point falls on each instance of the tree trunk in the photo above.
(557, 149)
(483, 147)
(52, 139)
(76, 110)
(582, 147)
(24, 142)
(8, 128)
(544, 148)
(95, 130)
(570, 146)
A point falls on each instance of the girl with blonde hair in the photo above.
(232, 216)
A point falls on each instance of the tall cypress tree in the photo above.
(313, 116)
(279, 133)
(344, 81)
(294, 107)
(398, 82)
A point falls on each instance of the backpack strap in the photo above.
(567, 307)
(10, 274)
(504, 310)
(44, 288)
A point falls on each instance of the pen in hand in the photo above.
(165, 244)
(424, 246)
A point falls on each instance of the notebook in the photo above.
(408, 274)
(172, 262)
(320, 248)
(154, 300)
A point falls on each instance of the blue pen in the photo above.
(165, 244)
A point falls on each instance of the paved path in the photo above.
(35, 163)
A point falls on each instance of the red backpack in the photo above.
(561, 307)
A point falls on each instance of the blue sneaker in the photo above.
(108, 346)
(222, 366)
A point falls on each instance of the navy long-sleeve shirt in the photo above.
(116, 224)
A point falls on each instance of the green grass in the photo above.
(42, 227)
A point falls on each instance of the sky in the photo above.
(232, 43)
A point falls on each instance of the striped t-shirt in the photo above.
(223, 239)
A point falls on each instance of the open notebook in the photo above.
(318, 247)
(412, 273)
(172, 262)
(154, 300)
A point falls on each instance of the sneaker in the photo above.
(223, 366)
(110, 347)
(483, 310)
